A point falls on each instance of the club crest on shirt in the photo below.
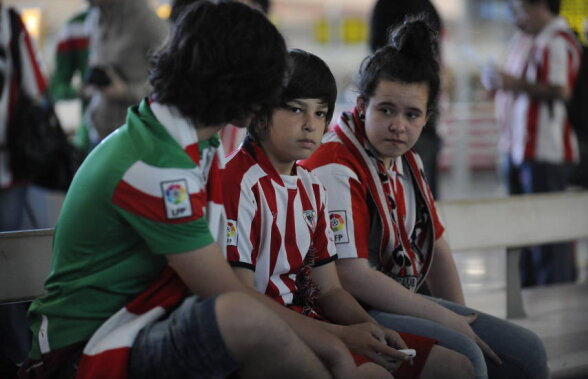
(310, 218)
(338, 221)
(176, 199)
(231, 233)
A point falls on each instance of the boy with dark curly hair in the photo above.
(138, 285)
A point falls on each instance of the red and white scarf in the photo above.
(387, 196)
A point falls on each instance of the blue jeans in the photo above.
(12, 207)
(186, 344)
(15, 340)
(549, 263)
(522, 352)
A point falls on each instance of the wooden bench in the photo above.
(514, 222)
(25, 258)
(558, 313)
(509, 222)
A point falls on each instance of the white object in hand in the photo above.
(410, 352)
(490, 76)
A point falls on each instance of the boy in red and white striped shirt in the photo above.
(279, 236)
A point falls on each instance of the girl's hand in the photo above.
(462, 324)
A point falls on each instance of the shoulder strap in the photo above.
(15, 31)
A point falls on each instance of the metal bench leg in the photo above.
(514, 300)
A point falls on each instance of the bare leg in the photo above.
(445, 363)
(372, 370)
(263, 343)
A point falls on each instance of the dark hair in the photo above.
(307, 77)
(553, 5)
(388, 13)
(222, 62)
(411, 57)
(177, 6)
(264, 5)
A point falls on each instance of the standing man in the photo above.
(537, 140)
(126, 32)
(71, 60)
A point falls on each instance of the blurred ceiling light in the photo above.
(31, 17)
(163, 11)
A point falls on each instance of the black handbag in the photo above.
(38, 147)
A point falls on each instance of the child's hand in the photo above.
(461, 323)
(117, 89)
(372, 341)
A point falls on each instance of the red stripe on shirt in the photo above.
(275, 235)
(73, 44)
(293, 254)
(214, 185)
(533, 118)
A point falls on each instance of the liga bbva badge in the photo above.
(339, 226)
(176, 199)
(231, 233)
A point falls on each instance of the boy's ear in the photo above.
(361, 104)
(427, 118)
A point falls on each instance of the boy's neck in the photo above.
(205, 132)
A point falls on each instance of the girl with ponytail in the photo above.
(389, 237)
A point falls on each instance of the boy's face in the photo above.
(295, 131)
(526, 15)
(394, 117)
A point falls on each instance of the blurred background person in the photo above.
(579, 115)
(18, 75)
(126, 32)
(26, 78)
(70, 67)
(537, 140)
(386, 14)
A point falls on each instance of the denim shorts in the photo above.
(185, 344)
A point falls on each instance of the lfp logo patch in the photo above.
(231, 233)
(176, 199)
(175, 194)
(339, 226)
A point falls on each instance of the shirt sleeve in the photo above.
(557, 63)
(323, 239)
(169, 215)
(348, 210)
(242, 225)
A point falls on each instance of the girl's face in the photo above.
(295, 132)
(394, 117)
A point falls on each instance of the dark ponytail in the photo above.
(411, 56)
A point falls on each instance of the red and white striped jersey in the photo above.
(387, 216)
(532, 129)
(274, 221)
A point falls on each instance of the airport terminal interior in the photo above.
(476, 32)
